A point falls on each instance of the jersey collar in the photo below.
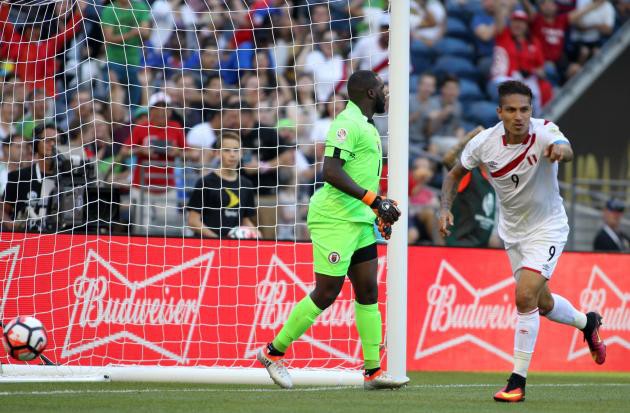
(525, 141)
(355, 110)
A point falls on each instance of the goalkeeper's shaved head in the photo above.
(366, 90)
(360, 82)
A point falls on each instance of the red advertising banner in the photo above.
(119, 300)
(461, 312)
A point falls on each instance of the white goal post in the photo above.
(121, 301)
(398, 178)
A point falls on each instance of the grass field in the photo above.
(427, 392)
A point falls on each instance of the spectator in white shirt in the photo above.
(372, 52)
(428, 18)
(590, 31)
(325, 64)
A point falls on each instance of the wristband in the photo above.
(368, 198)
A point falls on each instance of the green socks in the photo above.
(368, 319)
(301, 318)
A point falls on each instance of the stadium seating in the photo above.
(452, 46)
(470, 91)
(457, 28)
(463, 68)
(483, 113)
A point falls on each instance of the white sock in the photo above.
(563, 312)
(525, 340)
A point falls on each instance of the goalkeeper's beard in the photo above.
(379, 106)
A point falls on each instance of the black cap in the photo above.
(615, 205)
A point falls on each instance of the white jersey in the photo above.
(525, 182)
(371, 55)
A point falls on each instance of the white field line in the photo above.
(298, 389)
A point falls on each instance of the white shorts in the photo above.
(538, 253)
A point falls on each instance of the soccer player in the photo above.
(340, 220)
(521, 154)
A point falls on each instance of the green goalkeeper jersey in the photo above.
(354, 139)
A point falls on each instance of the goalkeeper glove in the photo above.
(384, 208)
(384, 229)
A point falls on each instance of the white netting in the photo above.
(112, 115)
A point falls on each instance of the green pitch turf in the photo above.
(427, 392)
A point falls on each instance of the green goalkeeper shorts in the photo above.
(334, 243)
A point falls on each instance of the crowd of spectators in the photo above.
(153, 95)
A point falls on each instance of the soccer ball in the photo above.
(243, 233)
(24, 338)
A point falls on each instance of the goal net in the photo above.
(157, 162)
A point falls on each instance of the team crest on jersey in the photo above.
(342, 135)
(334, 257)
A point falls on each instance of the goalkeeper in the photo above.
(340, 220)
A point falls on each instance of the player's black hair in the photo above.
(514, 87)
(359, 83)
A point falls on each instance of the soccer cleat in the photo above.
(276, 368)
(591, 336)
(513, 392)
(382, 380)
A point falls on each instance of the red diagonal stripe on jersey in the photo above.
(514, 162)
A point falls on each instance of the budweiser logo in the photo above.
(112, 308)
(459, 313)
(97, 307)
(12, 253)
(275, 308)
(279, 292)
(604, 296)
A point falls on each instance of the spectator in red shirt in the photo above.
(34, 58)
(518, 55)
(155, 143)
(550, 27)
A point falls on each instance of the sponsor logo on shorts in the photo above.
(342, 135)
(334, 257)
